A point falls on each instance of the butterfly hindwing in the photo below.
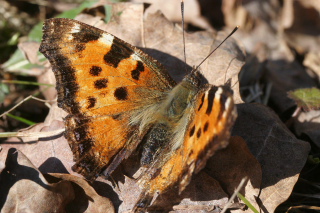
(101, 80)
(212, 115)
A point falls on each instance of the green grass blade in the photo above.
(250, 206)
(23, 120)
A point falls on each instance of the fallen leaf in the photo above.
(89, 201)
(30, 50)
(307, 124)
(24, 189)
(296, 78)
(304, 32)
(172, 11)
(240, 163)
(53, 147)
(280, 154)
(311, 61)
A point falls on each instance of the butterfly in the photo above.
(119, 101)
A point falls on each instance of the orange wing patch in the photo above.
(213, 115)
(100, 79)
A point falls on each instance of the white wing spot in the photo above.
(75, 28)
(227, 106)
(135, 57)
(218, 93)
(106, 38)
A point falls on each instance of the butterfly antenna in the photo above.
(183, 37)
(233, 31)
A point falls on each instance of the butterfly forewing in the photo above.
(100, 80)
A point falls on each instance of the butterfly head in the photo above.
(195, 78)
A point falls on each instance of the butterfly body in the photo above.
(119, 98)
(169, 121)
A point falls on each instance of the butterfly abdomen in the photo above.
(156, 138)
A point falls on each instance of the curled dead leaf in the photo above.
(24, 189)
(307, 125)
(240, 163)
(280, 154)
(90, 200)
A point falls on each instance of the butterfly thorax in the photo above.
(170, 118)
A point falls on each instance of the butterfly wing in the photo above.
(101, 81)
(207, 122)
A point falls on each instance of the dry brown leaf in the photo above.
(240, 163)
(280, 153)
(30, 49)
(307, 124)
(24, 189)
(89, 201)
(47, 77)
(48, 153)
(310, 4)
(235, 14)
(276, 32)
(172, 11)
(203, 192)
(311, 61)
(304, 32)
(295, 78)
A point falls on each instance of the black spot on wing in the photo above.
(192, 130)
(101, 83)
(91, 102)
(211, 95)
(95, 70)
(136, 72)
(199, 133)
(202, 100)
(117, 53)
(206, 126)
(121, 93)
